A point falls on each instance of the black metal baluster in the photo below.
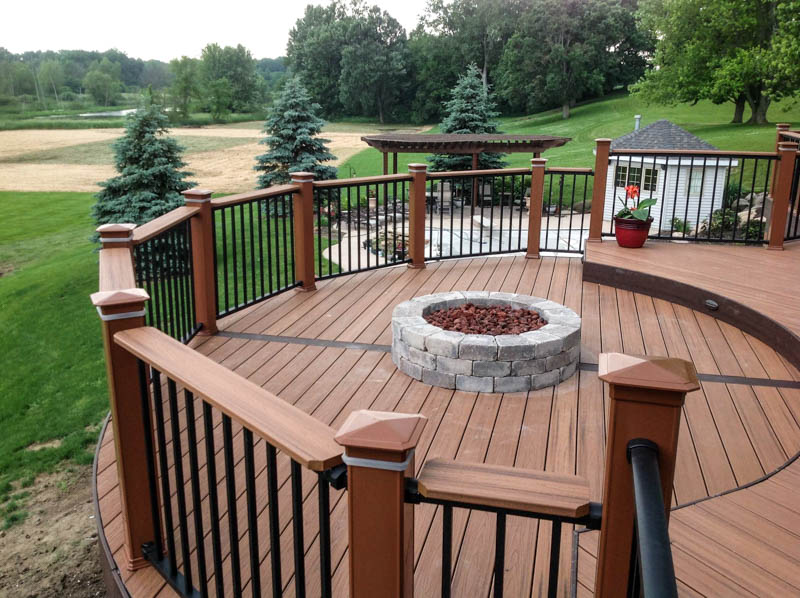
(230, 487)
(338, 226)
(213, 502)
(177, 457)
(269, 227)
(572, 210)
(194, 473)
(252, 252)
(166, 494)
(324, 535)
(358, 224)
(499, 555)
(263, 212)
(235, 260)
(176, 271)
(749, 207)
(297, 529)
(225, 259)
(274, 524)
(252, 512)
(150, 457)
(369, 243)
(761, 218)
(555, 553)
(243, 238)
(447, 549)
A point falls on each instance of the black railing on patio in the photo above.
(591, 521)
(566, 202)
(652, 574)
(360, 225)
(254, 255)
(709, 196)
(163, 267)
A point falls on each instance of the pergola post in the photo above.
(535, 211)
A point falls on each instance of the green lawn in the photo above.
(53, 387)
(610, 117)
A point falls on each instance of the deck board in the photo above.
(731, 434)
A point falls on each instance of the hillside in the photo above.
(611, 117)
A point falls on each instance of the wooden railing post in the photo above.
(599, 189)
(647, 394)
(379, 453)
(303, 207)
(417, 208)
(535, 212)
(787, 154)
(203, 250)
(779, 128)
(122, 310)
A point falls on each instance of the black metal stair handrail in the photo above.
(652, 570)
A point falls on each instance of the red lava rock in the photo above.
(494, 320)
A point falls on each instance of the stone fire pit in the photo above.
(482, 362)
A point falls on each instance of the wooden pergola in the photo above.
(460, 144)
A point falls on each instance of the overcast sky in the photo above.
(163, 29)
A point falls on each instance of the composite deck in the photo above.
(326, 352)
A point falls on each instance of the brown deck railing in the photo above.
(170, 405)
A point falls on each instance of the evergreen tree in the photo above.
(292, 128)
(150, 181)
(470, 110)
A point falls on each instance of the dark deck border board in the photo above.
(587, 367)
(115, 587)
(753, 322)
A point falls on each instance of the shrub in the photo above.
(680, 226)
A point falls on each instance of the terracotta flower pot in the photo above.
(631, 232)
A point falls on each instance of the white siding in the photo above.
(676, 202)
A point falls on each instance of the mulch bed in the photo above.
(495, 320)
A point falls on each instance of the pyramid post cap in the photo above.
(116, 227)
(119, 297)
(657, 373)
(197, 192)
(382, 430)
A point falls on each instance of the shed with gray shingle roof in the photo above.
(687, 187)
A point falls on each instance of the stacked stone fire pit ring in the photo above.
(482, 362)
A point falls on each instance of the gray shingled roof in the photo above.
(661, 134)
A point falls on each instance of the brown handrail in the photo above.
(231, 200)
(790, 135)
(365, 180)
(116, 270)
(304, 438)
(568, 170)
(475, 173)
(699, 152)
(163, 223)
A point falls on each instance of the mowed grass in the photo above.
(609, 117)
(53, 388)
(101, 152)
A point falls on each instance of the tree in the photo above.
(373, 62)
(236, 65)
(103, 81)
(480, 28)
(51, 76)
(155, 74)
(469, 110)
(219, 95)
(562, 52)
(292, 130)
(434, 65)
(150, 178)
(721, 50)
(184, 84)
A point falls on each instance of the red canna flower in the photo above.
(632, 192)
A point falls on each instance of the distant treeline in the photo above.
(223, 80)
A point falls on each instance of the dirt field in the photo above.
(54, 551)
(39, 160)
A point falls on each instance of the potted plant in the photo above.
(632, 222)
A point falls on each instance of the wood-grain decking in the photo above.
(732, 433)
